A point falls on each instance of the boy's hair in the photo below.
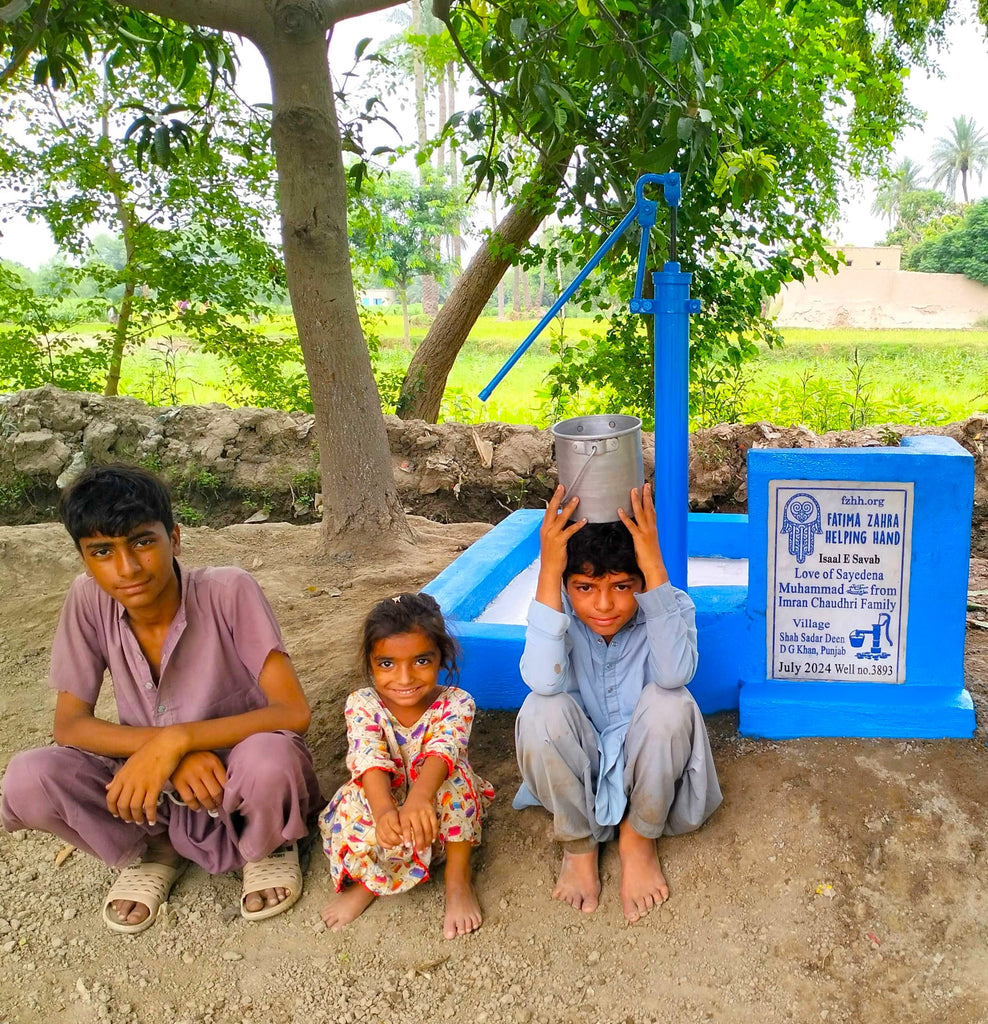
(599, 549)
(405, 613)
(113, 500)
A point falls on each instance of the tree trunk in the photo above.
(360, 501)
(119, 340)
(500, 280)
(425, 381)
(403, 292)
(430, 287)
(122, 326)
(454, 175)
(516, 290)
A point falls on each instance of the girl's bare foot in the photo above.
(643, 886)
(578, 883)
(159, 851)
(463, 914)
(347, 906)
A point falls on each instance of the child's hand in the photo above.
(132, 794)
(388, 827)
(199, 780)
(419, 823)
(554, 534)
(645, 534)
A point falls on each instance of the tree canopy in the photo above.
(762, 109)
(181, 169)
(961, 251)
(962, 153)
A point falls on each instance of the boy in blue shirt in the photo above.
(610, 739)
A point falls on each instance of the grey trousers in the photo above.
(669, 774)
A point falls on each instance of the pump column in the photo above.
(672, 306)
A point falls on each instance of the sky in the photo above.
(959, 90)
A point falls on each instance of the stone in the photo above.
(40, 453)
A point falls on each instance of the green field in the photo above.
(829, 379)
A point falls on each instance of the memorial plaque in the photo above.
(838, 580)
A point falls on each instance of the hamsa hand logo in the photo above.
(801, 519)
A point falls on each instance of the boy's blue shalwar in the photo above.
(609, 730)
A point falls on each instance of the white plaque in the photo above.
(838, 580)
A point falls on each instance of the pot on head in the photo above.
(599, 460)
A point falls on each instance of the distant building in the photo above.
(870, 257)
(374, 298)
(869, 290)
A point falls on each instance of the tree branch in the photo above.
(241, 17)
(340, 10)
(39, 21)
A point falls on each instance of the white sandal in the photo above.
(148, 883)
(279, 870)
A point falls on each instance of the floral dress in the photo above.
(376, 739)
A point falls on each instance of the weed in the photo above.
(306, 482)
(205, 480)
(188, 514)
(151, 461)
(15, 493)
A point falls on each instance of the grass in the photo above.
(826, 379)
(900, 376)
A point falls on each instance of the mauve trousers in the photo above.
(270, 794)
(669, 775)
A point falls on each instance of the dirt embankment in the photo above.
(226, 465)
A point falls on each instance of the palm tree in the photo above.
(905, 178)
(963, 152)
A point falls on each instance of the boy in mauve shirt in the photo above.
(207, 762)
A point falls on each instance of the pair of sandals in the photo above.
(150, 884)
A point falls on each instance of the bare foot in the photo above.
(643, 886)
(346, 906)
(159, 851)
(463, 914)
(578, 883)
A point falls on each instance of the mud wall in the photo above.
(869, 296)
(228, 465)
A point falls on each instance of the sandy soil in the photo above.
(842, 880)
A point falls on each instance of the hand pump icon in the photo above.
(857, 638)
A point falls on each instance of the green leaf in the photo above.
(190, 64)
(162, 147)
(677, 46)
(684, 128)
(519, 26)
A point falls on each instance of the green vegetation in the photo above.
(826, 380)
(840, 379)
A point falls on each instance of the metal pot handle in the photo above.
(579, 476)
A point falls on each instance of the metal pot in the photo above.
(599, 460)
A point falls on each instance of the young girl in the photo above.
(412, 795)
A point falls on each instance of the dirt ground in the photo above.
(841, 880)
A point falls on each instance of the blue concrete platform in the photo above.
(491, 651)
(899, 689)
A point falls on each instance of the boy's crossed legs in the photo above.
(668, 778)
(271, 786)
